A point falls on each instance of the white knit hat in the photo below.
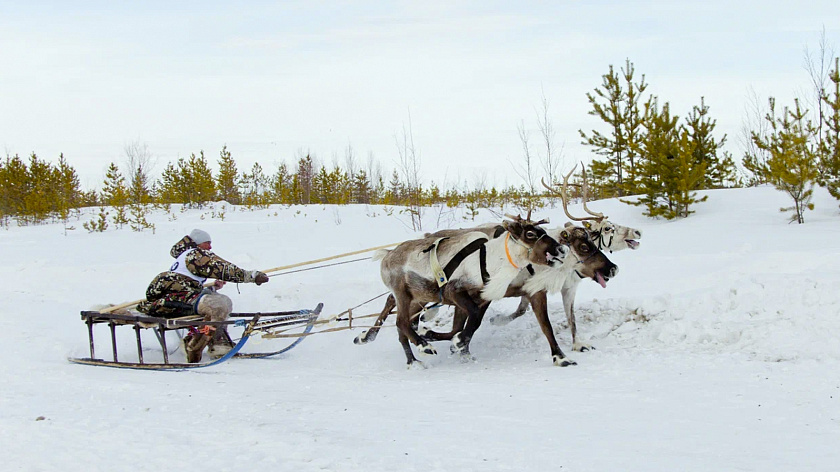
(200, 236)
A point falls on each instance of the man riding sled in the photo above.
(180, 291)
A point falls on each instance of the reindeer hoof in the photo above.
(582, 347)
(459, 345)
(427, 350)
(416, 365)
(365, 337)
(562, 361)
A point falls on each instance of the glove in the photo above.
(257, 277)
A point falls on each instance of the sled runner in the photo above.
(253, 323)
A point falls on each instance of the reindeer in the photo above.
(447, 271)
(607, 235)
(532, 283)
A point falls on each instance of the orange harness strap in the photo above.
(507, 252)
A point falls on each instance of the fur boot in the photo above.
(193, 346)
(220, 345)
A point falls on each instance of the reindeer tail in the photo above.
(380, 254)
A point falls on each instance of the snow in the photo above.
(716, 350)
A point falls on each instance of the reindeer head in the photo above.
(603, 232)
(590, 262)
(542, 248)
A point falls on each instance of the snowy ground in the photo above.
(717, 349)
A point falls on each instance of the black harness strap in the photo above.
(433, 246)
(477, 245)
(482, 256)
(530, 269)
(500, 230)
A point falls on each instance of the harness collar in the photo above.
(507, 251)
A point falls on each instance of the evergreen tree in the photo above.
(40, 193)
(170, 186)
(830, 148)
(792, 166)
(361, 187)
(99, 224)
(203, 188)
(115, 194)
(67, 188)
(339, 184)
(227, 181)
(617, 103)
(304, 175)
(14, 182)
(139, 198)
(670, 171)
(701, 128)
(282, 185)
(321, 191)
(394, 194)
(255, 185)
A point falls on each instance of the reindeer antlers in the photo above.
(565, 197)
(527, 219)
(598, 216)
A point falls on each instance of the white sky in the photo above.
(274, 80)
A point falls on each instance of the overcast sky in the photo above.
(273, 80)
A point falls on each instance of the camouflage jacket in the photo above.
(168, 288)
(207, 264)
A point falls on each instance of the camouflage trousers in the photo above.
(171, 295)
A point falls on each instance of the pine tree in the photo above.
(140, 198)
(115, 194)
(255, 186)
(670, 171)
(282, 185)
(14, 183)
(40, 192)
(170, 186)
(361, 187)
(98, 225)
(203, 185)
(321, 191)
(792, 166)
(701, 128)
(339, 183)
(67, 189)
(830, 148)
(616, 103)
(227, 181)
(304, 175)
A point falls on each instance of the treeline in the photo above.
(36, 191)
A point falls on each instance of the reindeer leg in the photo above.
(475, 313)
(501, 320)
(370, 334)
(568, 292)
(405, 311)
(458, 321)
(539, 301)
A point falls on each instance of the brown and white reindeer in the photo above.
(466, 270)
(607, 236)
(532, 283)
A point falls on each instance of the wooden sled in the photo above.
(253, 323)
